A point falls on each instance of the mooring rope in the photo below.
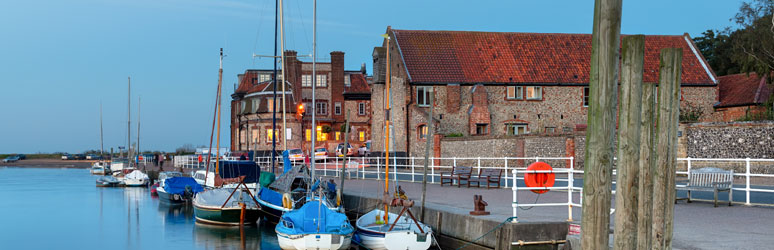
(490, 231)
(536, 199)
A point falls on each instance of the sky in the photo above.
(59, 60)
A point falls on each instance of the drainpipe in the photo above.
(408, 109)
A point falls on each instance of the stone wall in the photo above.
(467, 150)
(729, 140)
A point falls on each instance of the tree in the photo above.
(185, 149)
(753, 44)
(716, 47)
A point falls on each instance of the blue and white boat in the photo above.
(178, 189)
(315, 225)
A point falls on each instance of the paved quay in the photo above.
(698, 225)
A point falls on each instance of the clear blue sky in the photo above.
(59, 59)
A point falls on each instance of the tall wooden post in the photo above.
(603, 83)
(629, 123)
(344, 163)
(647, 166)
(668, 93)
(428, 144)
(674, 78)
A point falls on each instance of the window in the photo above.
(306, 81)
(270, 104)
(255, 136)
(516, 128)
(534, 93)
(320, 135)
(254, 80)
(586, 92)
(243, 105)
(338, 135)
(514, 93)
(361, 135)
(482, 128)
(550, 130)
(361, 108)
(265, 77)
(347, 81)
(322, 108)
(423, 95)
(256, 103)
(308, 135)
(322, 80)
(270, 135)
(337, 108)
(422, 131)
(242, 137)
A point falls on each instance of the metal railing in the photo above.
(714, 162)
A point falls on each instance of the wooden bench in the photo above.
(487, 175)
(458, 173)
(710, 179)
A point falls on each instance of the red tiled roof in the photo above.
(357, 85)
(741, 89)
(247, 87)
(500, 57)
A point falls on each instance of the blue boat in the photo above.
(314, 226)
(178, 189)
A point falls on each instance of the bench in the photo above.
(710, 179)
(487, 175)
(458, 173)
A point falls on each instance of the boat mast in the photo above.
(138, 129)
(220, 100)
(313, 130)
(274, 97)
(282, 44)
(129, 123)
(214, 118)
(101, 135)
(387, 134)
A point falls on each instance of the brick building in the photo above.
(496, 84)
(337, 91)
(741, 95)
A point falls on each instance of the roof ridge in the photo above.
(519, 32)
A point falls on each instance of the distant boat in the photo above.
(314, 226)
(178, 189)
(99, 168)
(107, 181)
(136, 179)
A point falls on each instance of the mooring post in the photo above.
(668, 93)
(676, 71)
(629, 118)
(647, 166)
(603, 83)
(428, 144)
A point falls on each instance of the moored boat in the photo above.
(281, 195)
(406, 233)
(107, 181)
(223, 206)
(99, 168)
(314, 226)
(178, 190)
(136, 179)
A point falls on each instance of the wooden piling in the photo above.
(629, 143)
(647, 166)
(668, 94)
(603, 85)
(674, 78)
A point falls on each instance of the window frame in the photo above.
(347, 81)
(322, 81)
(270, 104)
(321, 108)
(538, 90)
(516, 127)
(361, 108)
(485, 126)
(518, 93)
(337, 108)
(422, 131)
(361, 135)
(425, 96)
(586, 94)
(306, 80)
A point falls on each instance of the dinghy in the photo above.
(107, 181)
(406, 233)
(314, 226)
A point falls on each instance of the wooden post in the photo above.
(340, 191)
(629, 142)
(429, 137)
(647, 166)
(674, 79)
(668, 92)
(603, 83)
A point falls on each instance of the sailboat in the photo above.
(377, 229)
(123, 166)
(318, 223)
(100, 167)
(227, 204)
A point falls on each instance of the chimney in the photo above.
(363, 69)
(337, 81)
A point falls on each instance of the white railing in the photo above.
(569, 189)
(746, 175)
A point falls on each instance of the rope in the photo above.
(536, 199)
(490, 231)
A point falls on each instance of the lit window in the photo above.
(361, 108)
(586, 92)
(534, 93)
(482, 128)
(423, 95)
(306, 80)
(422, 131)
(320, 135)
(255, 136)
(516, 128)
(242, 137)
(308, 135)
(265, 77)
(347, 81)
(269, 135)
(322, 80)
(338, 135)
(337, 108)
(361, 135)
(270, 104)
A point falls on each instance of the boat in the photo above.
(177, 190)
(107, 181)
(99, 168)
(314, 226)
(283, 194)
(377, 229)
(136, 179)
(223, 206)
(160, 180)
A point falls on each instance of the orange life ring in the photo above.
(539, 179)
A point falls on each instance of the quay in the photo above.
(698, 225)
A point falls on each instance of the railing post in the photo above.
(432, 171)
(688, 160)
(412, 169)
(479, 165)
(515, 203)
(505, 170)
(378, 168)
(747, 180)
(455, 161)
(570, 185)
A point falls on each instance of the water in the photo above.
(62, 209)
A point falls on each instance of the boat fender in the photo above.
(287, 201)
(338, 199)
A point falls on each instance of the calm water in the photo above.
(62, 209)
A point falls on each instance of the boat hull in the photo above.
(225, 216)
(135, 182)
(314, 241)
(170, 198)
(405, 236)
(270, 213)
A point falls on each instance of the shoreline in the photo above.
(49, 163)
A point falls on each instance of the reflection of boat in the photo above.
(208, 236)
(136, 179)
(175, 213)
(223, 206)
(314, 226)
(99, 168)
(107, 181)
(178, 189)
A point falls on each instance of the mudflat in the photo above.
(49, 163)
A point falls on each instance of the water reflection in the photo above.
(250, 237)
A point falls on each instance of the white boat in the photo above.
(118, 165)
(406, 233)
(99, 168)
(136, 179)
(314, 226)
